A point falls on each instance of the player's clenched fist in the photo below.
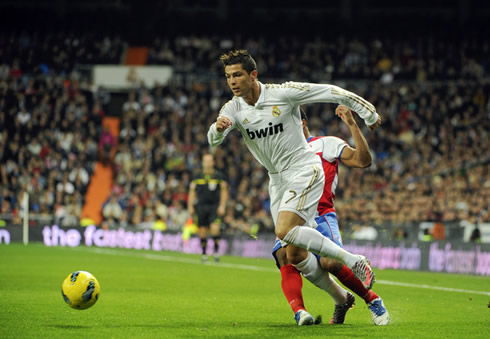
(222, 123)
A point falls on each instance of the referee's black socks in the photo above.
(204, 242)
(216, 244)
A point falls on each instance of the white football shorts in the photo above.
(297, 190)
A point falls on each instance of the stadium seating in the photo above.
(431, 157)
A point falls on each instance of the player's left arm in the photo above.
(223, 198)
(359, 156)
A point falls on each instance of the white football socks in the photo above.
(311, 269)
(312, 240)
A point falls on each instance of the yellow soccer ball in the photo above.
(80, 290)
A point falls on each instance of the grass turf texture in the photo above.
(168, 295)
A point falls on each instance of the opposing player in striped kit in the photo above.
(331, 150)
(268, 117)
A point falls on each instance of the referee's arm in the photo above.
(191, 199)
(223, 198)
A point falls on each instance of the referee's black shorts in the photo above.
(206, 215)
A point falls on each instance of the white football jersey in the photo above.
(272, 127)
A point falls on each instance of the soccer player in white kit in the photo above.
(268, 117)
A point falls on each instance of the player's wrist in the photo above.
(372, 119)
(218, 130)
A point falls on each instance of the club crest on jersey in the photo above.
(263, 132)
(276, 111)
(245, 121)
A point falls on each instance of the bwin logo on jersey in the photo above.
(263, 132)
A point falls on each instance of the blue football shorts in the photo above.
(328, 225)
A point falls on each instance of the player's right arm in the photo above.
(191, 199)
(223, 125)
(359, 156)
(307, 93)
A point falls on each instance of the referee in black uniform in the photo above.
(208, 195)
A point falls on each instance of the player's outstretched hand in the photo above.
(222, 124)
(376, 124)
(345, 114)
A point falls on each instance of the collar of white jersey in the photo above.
(261, 98)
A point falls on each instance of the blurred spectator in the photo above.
(399, 234)
(364, 233)
(133, 79)
(178, 215)
(106, 143)
(112, 211)
(72, 213)
(161, 210)
(475, 235)
(426, 235)
(438, 231)
(131, 107)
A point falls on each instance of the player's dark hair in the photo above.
(303, 115)
(239, 56)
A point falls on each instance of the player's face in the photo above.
(239, 81)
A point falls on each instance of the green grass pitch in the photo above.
(173, 295)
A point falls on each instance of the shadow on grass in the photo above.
(70, 327)
(351, 330)
(142, 326)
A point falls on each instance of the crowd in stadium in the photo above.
(431, 155)
(316, 59)
(49, 144)
(57, 52)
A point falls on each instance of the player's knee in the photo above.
(282, 230)
(203, 232)
(295, 259)
(286, 221)
(280, 233)
(331, 265)
(214, 229)
(295, 255)
(281, 257)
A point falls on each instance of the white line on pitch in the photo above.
(262, 269)
(447, 289)
(178, 259)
